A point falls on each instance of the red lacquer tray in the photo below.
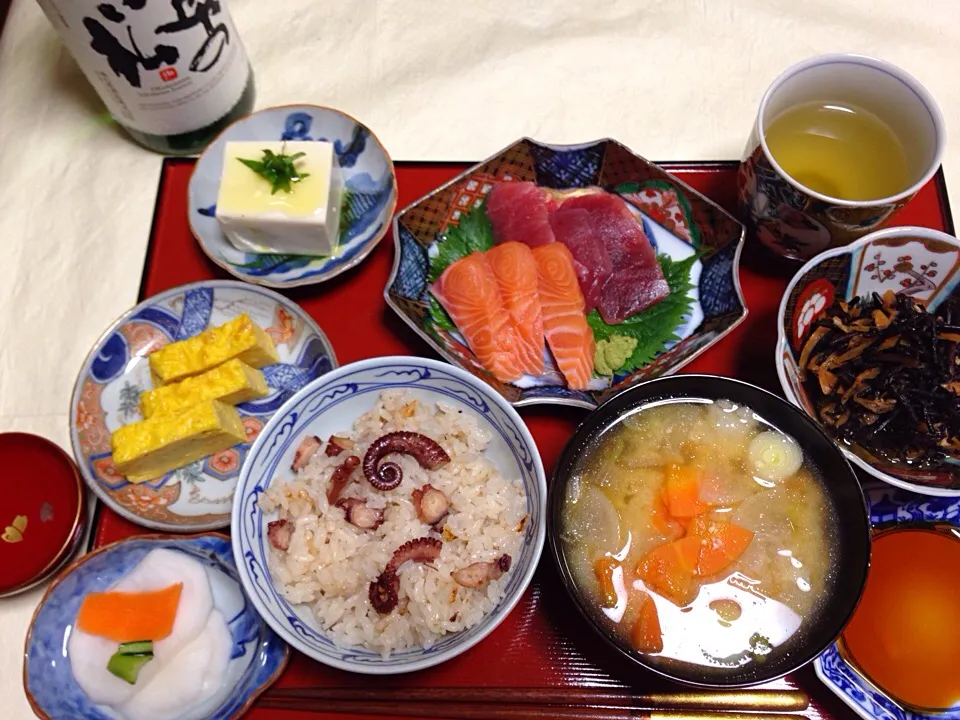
(544, 642)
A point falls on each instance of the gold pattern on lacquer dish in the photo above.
(13, 533)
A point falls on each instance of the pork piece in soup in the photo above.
(699, 533)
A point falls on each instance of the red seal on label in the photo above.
(168, 73)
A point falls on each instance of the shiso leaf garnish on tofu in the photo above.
(279, 169)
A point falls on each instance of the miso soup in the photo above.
(699, 533)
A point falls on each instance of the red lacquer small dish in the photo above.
(43, 512)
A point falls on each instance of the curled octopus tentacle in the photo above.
(384, 592)
(388, 475)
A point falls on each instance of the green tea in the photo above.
(840, 151)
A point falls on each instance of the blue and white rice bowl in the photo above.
(330, 406)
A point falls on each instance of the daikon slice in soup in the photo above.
(699, 533)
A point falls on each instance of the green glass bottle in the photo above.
(172, 73)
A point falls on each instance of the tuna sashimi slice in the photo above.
(520, 211)
(516, 273)
(564, 319)
(637, 281)
(574, 227)
(636, 285)
(468, 291)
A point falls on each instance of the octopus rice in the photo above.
(389, 569)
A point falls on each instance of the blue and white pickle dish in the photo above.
(889, 507)
(369, 199)
(918, 262)
(329, 406)
(257, 655)
(678, 221)
(197, 497)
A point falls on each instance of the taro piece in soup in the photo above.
(699, 533)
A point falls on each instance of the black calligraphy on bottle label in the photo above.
(162, 67)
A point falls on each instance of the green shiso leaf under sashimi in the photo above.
(656, 326)
(472, 234)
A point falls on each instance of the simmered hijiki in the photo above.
(698, 532)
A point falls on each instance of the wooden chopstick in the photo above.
(568, 704)
(490, 711)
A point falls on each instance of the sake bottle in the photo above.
(173, 73)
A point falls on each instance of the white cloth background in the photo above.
(435, 79)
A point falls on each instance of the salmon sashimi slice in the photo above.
(564, 320)
(468, 291)
(520, 211)
(516, 273)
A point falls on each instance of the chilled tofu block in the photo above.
(258, 217)
(147, 449)
(231, 383)
(241, 338)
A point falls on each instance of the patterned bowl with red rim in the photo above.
(919, 262)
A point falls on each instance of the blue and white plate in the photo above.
(331, 404)
(107, 392)
(258, 655)
(887, 506)
(369, 202)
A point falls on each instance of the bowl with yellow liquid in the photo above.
(898, 656)
(840, 143)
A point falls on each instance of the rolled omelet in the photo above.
(241, 338)
(150, 448)
(231, 383)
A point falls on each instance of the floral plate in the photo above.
(370, 195)
(679, 221)
(922, 263)
(331, 404)
(105, 397)
(887, 506)
(258, 655)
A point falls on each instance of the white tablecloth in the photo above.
(453, 80)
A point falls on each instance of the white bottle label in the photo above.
(162, 67)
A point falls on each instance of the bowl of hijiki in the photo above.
(709, 531)
(150, 628)
(390, 516)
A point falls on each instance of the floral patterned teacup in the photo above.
(797, 222)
